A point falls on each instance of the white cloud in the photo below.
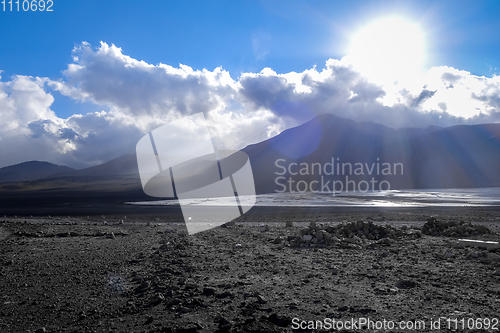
(23, 99)
(443, 96)
(32, 131)
(256, 106)
(106, 76)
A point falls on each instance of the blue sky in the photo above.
(239, 37)
(208, 34)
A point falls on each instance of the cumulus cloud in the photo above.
(139, 97)
(32, 131)
(108, 77)
(443, 96)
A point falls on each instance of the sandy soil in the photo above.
(81, 274)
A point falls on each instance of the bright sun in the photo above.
(389, 49)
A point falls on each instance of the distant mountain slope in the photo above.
(123, 165)
(453, 157)
(433, 157)
(31, 170)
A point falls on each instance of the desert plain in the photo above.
(273, 270)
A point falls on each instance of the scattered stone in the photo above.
(353, 235)
(434, 227)
(383, 254)
(307, 238)
(209, 291)
(174, 301)
(277, 240)
(183, 309)
(224, 328)
(221, 320)
(385, 241)
(281, 321)
(472, 255)
(295, 241)
(189, 329)
(143, 286)
(224, 294)
(448, 254)
(406, 284)
(261, 299)
(111, 235)
(289, 224)
(158, 298)
(41, 330)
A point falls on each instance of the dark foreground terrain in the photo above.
(142, 274)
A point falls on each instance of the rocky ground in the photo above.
(83, 274)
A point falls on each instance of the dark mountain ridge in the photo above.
(31, 170)
(452, 157)
(433, 157)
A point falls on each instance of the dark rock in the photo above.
(224, 328)
(385, 241)
(183, 309)
(452, 228)
(277, 240)
(143, 286)
(221, 320)
(361, 310)
(174, 301)
(406, 284)
(158, 298)
(209, 291)
(192, 329)
(281, 321)
(225, 294)
(261, 299)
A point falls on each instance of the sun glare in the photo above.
(388, 49)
